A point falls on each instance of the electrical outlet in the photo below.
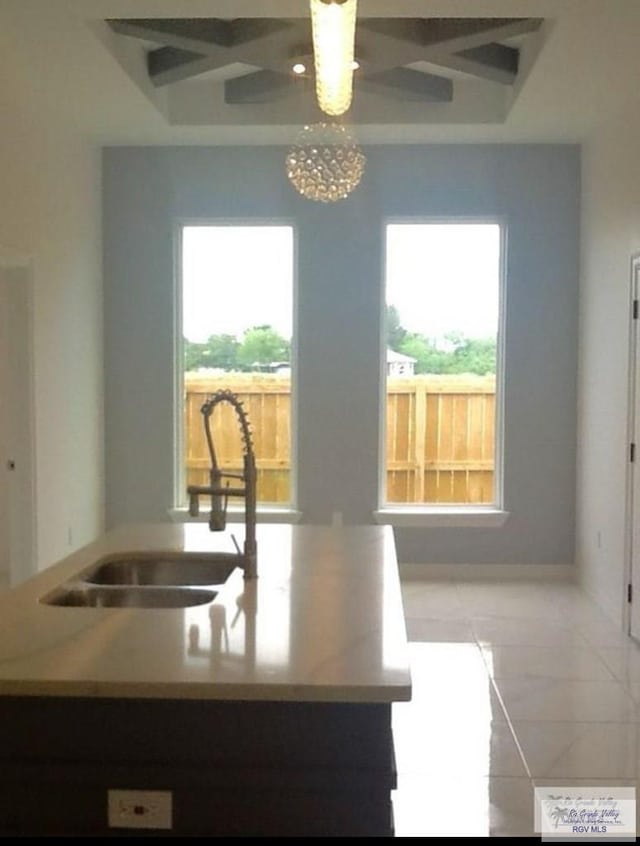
(140, 809)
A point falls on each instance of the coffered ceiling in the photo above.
(411, 70)
(217, 71)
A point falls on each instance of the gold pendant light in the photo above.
(333, 24)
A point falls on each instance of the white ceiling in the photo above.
(56, 59)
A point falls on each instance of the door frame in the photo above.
(633, 418)
(20, 266)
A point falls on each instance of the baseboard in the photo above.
(504, 572)
(611, 610)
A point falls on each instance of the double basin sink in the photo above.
(147, 580)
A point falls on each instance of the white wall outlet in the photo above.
(140, 809)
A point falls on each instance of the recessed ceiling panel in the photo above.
(412, 70)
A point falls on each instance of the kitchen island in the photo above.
(266, 711)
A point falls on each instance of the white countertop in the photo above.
(323, 622)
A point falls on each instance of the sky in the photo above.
(236, 277)
(434, 268)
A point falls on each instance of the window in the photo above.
(237, 317)
(443, 307)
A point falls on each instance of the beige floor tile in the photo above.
(579, 750)
(518, 631)
(509, 681)
(446, 630)
(624, 662)
(564, 700)
(567, 662)
(424, 600)
(511, 600)
(600, 632)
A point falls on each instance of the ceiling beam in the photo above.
(404, 83)
(456, 34)
(263, 86)
(385, 47)
(170, 64)
(201, 35)
(252, 42)
(386, 43)
(197, 35)
(405, 30)
(382, 46)
(247, 30)
(493, 62)
(408, 84)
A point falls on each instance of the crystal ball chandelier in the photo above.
(325, 163)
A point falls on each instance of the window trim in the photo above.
(443, 514)
(235, 514)
(268, 511)
(458, 516)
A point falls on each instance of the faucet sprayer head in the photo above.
(235, 402)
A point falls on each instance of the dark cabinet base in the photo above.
(233, 768)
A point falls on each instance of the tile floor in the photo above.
(514, 685)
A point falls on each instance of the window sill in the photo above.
(266, 514)
(456, 517)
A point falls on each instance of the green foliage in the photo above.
(475, 355)
(429, 359)
(460, 354)
(396, 334)
(454, 354)
(217, 351)
(260, 346)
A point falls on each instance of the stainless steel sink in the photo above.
(88, 596)
(163, 570)
(147, 580)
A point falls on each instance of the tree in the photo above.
(263, 345)
(219, 351)
(458, 355)
(192, 354)
(475, 355)
(429, 359)
(396, 333)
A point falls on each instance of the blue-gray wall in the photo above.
(536, 189)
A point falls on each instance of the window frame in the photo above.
(442, 514)
(268, 512)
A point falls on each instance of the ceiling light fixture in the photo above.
(299, 68)
(333, 25)
(325, 163)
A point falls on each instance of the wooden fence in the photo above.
(267, 401)
(440, 439)
(440, 435)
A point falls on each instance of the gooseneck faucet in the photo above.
(220, 493)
